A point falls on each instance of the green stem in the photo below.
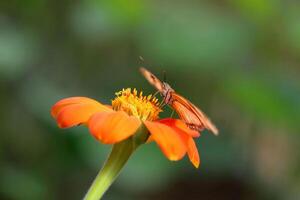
(116, 160)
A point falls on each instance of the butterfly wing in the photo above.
(153, 80)
(192, 115)
(187, 111)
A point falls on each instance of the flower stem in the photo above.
(119, 155)
(116, 160)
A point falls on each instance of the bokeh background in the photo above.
(236, 59)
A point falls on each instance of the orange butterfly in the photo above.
(187, 111)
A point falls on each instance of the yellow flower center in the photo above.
(143, 107)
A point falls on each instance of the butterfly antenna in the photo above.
(141, 59)
(164, 76)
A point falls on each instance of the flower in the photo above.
(129, 112)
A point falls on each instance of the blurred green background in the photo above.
(236, 59)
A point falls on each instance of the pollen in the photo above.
(134, 103)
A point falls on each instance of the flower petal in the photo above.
(71, 101)
(113, 127)
(180, 125)
(76, 114)
(150, 139)
(193, 152)
(167, 139)
(186, 134)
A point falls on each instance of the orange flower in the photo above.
(129, 112)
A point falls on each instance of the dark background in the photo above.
(236, 59)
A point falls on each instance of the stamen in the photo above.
(134, 103)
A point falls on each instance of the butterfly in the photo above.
(194, 118)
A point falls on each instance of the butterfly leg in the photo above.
(156, 93)
(172, 114)
(162, 104)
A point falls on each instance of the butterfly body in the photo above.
(167, 93)
(193, 117)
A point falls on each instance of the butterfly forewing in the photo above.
(153, 80)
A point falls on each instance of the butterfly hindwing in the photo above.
(191, 114)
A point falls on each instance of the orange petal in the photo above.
(180, 125)
(113, 127)
(76, 114)
(171, 144)
(186, 134)
(150, 139)
(193, 152)
(71, 101)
